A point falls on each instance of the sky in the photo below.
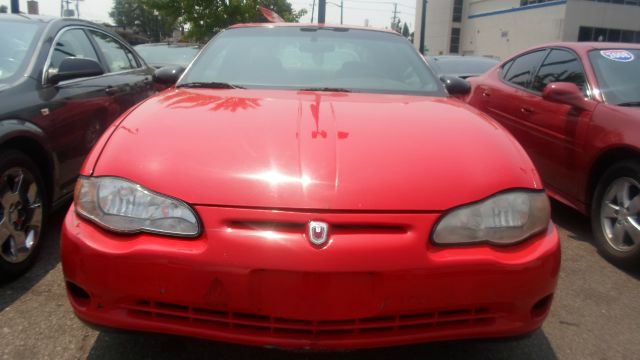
(379, 12)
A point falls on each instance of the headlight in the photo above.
(502, 219)
(122, 206)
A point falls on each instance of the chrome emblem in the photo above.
(318, 232)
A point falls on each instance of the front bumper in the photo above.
(254, 278)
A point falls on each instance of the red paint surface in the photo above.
(257, 166)
(277, 279)
(288, 149)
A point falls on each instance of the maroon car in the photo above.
(575, 108)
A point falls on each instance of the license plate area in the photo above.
(315, 296)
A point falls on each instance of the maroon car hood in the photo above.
(308, 150)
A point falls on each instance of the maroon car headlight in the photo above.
(503, 219)
(123, 206)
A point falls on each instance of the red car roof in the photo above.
(581, 48)
(586, 46)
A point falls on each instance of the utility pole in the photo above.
(322, 10)
(341, 10)
(395, 16)
(313, 8)
(15, 7)
(423, 25)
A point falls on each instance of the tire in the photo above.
(24, 206)
(615, 214)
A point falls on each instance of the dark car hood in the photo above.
(290, 149)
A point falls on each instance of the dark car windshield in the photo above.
(460, 65)
(314, 58)
(618, 74)
(166, 54)
(17, 40)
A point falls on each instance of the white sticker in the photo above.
(617, 55)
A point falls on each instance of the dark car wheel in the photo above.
(22, 208)
(615, 214)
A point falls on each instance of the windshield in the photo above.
(618, 74)
(16, 41)
(314, 58)
(462, 65)
(168, 54)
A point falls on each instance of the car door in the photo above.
(546, 130)
(505, 98)
(128, 79)
(78, 109)
(554, 130)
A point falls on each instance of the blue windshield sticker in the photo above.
(617, 55)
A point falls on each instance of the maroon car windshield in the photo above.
(618, 74)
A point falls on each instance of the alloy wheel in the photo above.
(20, 214)
(620, 214)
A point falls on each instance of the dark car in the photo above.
(461, 66)
(166, 54)
(575, 108)
(62, 82)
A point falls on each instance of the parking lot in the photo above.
(595, 315)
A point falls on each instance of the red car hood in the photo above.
(308, 150)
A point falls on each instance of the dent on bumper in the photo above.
(245, 285)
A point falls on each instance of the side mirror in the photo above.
(167, 75)
(456, 86)
(73, 68)
(567, 93)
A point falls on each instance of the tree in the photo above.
(205, 18)
(405, 30)
(3, 9)
(133, 15)
(395, 25)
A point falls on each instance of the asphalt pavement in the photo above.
(595, 315)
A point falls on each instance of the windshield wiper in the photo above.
(329, 89)
(630, 103)
(209, 85)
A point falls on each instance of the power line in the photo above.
(382, 3)
(379, 10)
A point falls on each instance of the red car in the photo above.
(308, 186)
(575, 108)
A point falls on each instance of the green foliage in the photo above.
(405, 30)
(205, 18)
(3, 9)
(133, 15)
(396, 26)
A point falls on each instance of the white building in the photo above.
(503, 27)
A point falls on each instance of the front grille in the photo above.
(300, 228)
(274, 326)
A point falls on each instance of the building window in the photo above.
(454, 48)
(587, 33)
(618, 2)
(533, 2)
(457, 10)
